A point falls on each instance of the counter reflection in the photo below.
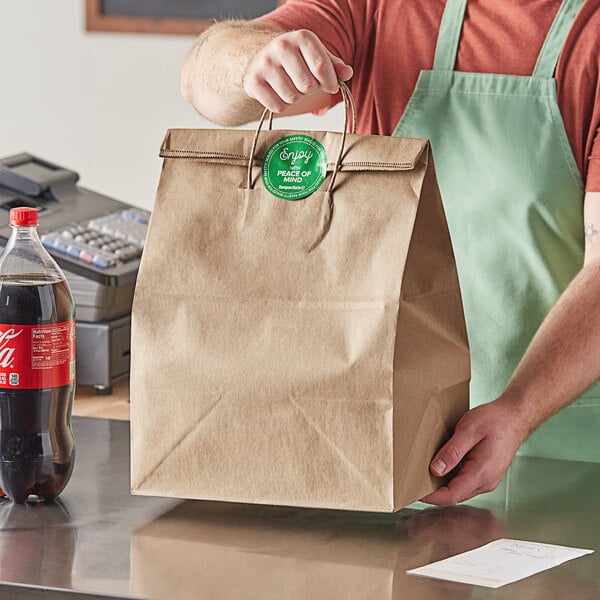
(37, 543)
(215, 550)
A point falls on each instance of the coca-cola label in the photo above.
(37, 356)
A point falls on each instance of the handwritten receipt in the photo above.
(500, 562)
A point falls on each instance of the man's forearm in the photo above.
(213, 71)
(564, 357)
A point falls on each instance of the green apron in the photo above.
(513, 197)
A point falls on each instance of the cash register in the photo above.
(98, 242)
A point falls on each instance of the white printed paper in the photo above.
(500, 562)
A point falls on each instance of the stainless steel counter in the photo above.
(101, 542)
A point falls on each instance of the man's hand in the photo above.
(485, 441)
(291, 66)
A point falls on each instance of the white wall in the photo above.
(98, 103)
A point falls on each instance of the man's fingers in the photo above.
(480, 473)
(342, 70)
(265, 94)
(449, 496)
(456, 492)
(284, 87)
(454, 450)
(318, 60)
(288, 59)
(299, 73)
(463, 486)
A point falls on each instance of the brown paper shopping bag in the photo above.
(305, 352)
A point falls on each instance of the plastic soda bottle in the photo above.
(37, 366)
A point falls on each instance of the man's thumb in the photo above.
(450, 455)
(342, 70)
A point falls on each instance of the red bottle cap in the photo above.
(23, 217)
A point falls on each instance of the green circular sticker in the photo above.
(294, 167)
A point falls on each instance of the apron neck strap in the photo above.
(450, 28)
(446, 49)
(546, 62)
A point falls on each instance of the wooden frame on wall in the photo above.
(154, 17)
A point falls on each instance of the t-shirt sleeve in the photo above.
(592, 182)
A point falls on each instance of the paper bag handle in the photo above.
(350, 109)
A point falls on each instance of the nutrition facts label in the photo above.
(37, 356)
(51, 345)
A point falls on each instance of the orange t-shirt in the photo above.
(388, 42)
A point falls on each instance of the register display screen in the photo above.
(32, 170)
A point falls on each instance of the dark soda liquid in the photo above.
(37, 448)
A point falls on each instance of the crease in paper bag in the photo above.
(179, 442)
(332, 449)
(428, 418)
(343, 458)
(416, 309)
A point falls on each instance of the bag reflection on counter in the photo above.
(212, 550)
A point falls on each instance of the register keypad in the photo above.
(104, 241)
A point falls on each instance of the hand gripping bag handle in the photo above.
(350, 109)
